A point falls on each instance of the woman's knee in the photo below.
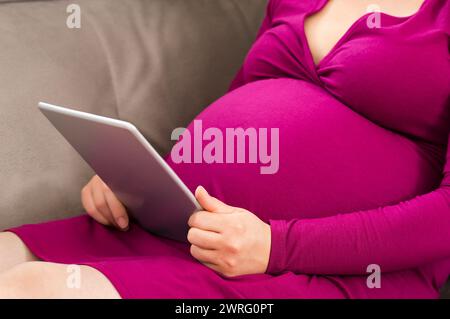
(13, 251)
(51, 280)
(21, 281)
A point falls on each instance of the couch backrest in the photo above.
(156, 63)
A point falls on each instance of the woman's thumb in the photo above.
(209, 202)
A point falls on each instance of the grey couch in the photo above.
(156, 63)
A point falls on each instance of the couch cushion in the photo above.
(44, 60)
(170, 59)
(156, 63)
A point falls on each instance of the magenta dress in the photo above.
(364, 171)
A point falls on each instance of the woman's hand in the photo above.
(230, 240)
(102, 205)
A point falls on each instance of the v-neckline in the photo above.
(347, 33)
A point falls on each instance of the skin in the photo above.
(100, 202)
(230, 240)
(22, 275)
(324, 28)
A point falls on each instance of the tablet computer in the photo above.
(150, 190)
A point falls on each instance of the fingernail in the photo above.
(122, 223)
(200, 189)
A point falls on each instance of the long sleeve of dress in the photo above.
(397, 237)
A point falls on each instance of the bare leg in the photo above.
(50, 280)
(13, 251)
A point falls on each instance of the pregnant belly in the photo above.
(331, 159)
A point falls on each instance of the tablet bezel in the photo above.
(47, 107)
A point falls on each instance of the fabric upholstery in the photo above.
(155, 63)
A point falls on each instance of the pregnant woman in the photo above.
(361, 101)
